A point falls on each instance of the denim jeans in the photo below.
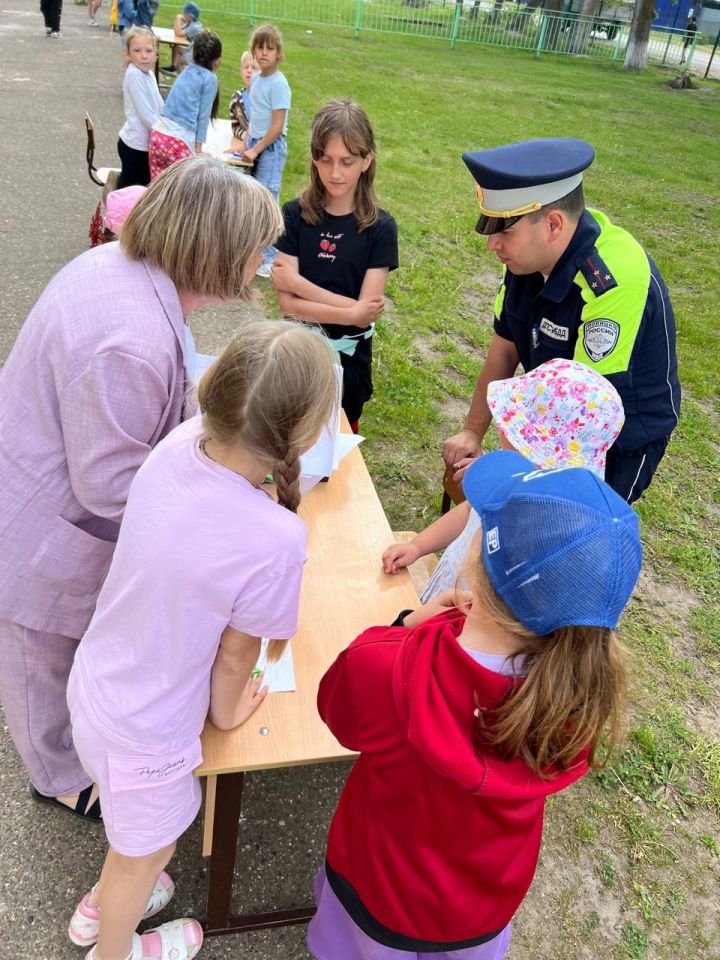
(269, 171)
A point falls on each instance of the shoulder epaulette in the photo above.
(597, 274)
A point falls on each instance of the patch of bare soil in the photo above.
(455, 409)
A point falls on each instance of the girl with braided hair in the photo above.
(206, 564)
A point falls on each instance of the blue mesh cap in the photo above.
(560, 546)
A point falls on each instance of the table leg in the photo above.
(221, 869)
(228, 800)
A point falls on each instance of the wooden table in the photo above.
(344, 590)
(166, 35)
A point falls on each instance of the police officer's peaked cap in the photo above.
(521, 178)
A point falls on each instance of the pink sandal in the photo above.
(176, 940)
(85, 922)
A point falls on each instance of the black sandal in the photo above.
(93, 813)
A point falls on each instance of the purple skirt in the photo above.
(332, 933)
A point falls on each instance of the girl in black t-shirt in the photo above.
(339, 246)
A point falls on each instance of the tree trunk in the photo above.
(643, 16)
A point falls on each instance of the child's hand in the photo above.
(399, 555)
(250, 699)
(439, 604)
(283, 277)
(367, 311)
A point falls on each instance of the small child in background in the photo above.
(146, 10)
(192, 102)
(339, 246)
(270, 100)
(126, 18)
(118, 205)
(187, 24)
(196, 580)
(467, 717)
(143, 107)
(240, 107)
(93, 7)
(562, 414)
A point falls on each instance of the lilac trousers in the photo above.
(34, 670)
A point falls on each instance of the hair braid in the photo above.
(287, 478)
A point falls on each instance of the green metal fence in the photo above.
(510, 25)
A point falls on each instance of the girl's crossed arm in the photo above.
(304, 300)
(234, 694)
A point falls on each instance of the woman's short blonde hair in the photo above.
(201, 222)
(134, 32)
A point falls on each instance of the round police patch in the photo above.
(600, 338)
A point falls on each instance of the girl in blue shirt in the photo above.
(191, 104)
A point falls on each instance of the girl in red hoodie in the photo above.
(466, 717)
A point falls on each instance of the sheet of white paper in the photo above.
(320, 459)
(279, 675)
(347, 442)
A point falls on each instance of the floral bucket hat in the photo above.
(562, 414)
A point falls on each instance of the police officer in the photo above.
(573, 285)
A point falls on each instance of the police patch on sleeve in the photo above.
(600, 338)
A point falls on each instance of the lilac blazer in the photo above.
(96, 378)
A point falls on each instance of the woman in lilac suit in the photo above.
(98, 376)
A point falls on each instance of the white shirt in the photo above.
(143, 106)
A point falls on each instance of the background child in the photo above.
(240, 107)
(93, 7)
(270, 100)
(187, 24)
(191, 104)
(339, 246)
(467, 718)
(196, 580)
(118, 205)
(127, 17)
(143, 106)
(562, 414)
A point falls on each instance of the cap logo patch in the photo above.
(492, 540)
(600, 338)
(551, 329)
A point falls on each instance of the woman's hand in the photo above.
(400, 555)
(250, 155)
(250, 699)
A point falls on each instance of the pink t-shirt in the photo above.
(200, 548)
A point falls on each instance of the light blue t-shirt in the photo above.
(268, 94)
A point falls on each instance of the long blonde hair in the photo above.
(202, 224)
(574, 691)
(271, 391)
(347, 120)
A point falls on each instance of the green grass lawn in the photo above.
(632, 856)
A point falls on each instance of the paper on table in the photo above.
(321, 459)
(280, 674)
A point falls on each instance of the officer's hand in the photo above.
(462, 445)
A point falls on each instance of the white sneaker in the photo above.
(55, 34)
(93, 23)
(48, 31)
(263, 271)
